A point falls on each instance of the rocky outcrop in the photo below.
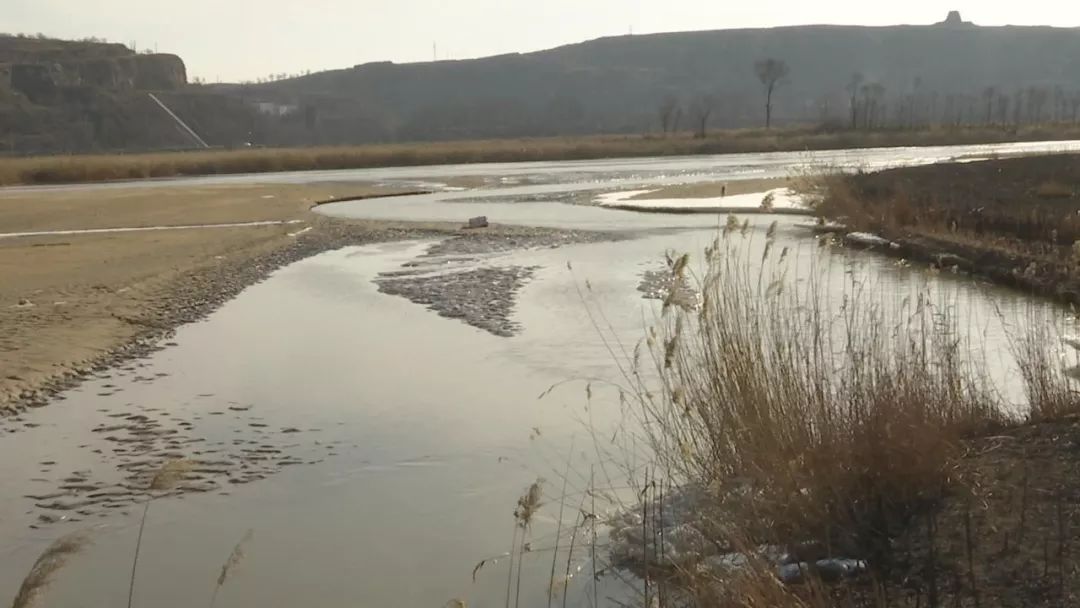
(955, 20)
(41, 82)
(89, 96)
(159, 72)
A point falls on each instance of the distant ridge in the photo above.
(950, 72)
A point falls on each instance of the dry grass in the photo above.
(1053, 189)
(167, 477)
(231, 563)
(805, 420)
(838, 418)
(70, 169)
(1051, 393)
(1014, 221)
(829, 428)
(48, 564)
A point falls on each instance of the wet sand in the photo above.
(71, 303)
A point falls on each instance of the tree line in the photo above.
(870, 105)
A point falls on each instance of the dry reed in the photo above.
(527, 507)
(1051, 393)
(234, 559)
(802, 418)
(48, 564)
(165, 478)
(92, 168)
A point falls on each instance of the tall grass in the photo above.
(1041, 357)
(94, 168)
(46, 566)
(167, 476)
(802, 418)
(231, 563)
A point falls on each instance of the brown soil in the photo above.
(1005, 535)
(76, 209)
(1015, 221)
(66, 301)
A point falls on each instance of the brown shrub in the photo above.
(829, 421)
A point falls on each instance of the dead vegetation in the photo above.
(48, 564)
(96, 168)
(1015, 221)
(808, 421)
(55, 556)
(839, 434)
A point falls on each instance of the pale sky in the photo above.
(243, 39)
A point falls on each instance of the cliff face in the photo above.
(160, 72)
(43, 82)
(65, 96)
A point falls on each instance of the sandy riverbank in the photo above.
(73, 303)
(68, 302)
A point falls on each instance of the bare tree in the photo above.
(668, 110)
(1003, 109)
(990, 94)
(771, 72)
(916, 94)
(1037, 98)
(873, 94)
(853, 97)
(700, 112)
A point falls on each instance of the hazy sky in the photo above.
(243, 39)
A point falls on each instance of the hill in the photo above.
(952, 72)
(65, 96)
(78, 96)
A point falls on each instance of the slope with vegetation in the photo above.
(79, 96)
(1015, 221)
(61, 96)
(844, 76)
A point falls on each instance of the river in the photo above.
(386, 446)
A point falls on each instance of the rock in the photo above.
(478, 222)
(866, 239)
(946, 260)
(828, 570)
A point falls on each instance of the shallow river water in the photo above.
(377, 450)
